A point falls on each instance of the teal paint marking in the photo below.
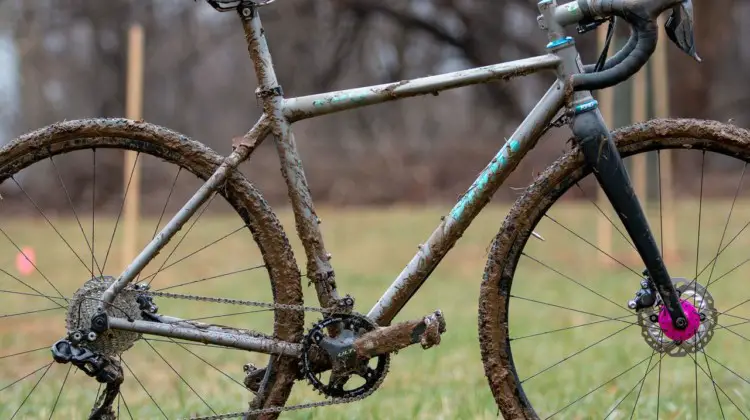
(498, 163)
(318, 103)
(560, 42)
(339, 99)
(585, 107)
(359, 97)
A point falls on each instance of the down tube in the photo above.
(471, 203)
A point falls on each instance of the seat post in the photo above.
(269, 90)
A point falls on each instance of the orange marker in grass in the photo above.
(25, 261)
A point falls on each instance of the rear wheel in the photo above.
(61, 225)
(556, 335)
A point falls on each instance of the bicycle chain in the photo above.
(269, 410)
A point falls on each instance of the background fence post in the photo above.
(131, 167)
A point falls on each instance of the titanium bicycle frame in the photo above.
(278, 116)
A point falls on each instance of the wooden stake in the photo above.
(131, 168)
(603, 226)
(661, 108)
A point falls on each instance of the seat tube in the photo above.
(319, 268)
(600, 152)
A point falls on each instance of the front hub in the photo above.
(702, 317)
(693, 322)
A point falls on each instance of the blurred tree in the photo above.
(70, 57)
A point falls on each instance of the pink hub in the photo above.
(693, 318)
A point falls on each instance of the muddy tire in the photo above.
(528, 210)
(201, 161)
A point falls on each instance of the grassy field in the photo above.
(370, 247)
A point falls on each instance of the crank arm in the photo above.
(425, 331)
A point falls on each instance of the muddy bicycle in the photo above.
(345, 354)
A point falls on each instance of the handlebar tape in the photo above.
(645, 34)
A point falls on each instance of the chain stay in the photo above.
(302, 308)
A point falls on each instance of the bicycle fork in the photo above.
(601, 155)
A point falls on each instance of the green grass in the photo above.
(370, 247)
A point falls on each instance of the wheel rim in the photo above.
(201, 380)
(573, 346)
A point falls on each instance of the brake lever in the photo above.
(679, 28)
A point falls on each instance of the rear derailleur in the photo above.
(106, 370)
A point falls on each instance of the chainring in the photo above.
(704, 303)
(83, 306)
(343, 358)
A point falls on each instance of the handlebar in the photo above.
(640, 15)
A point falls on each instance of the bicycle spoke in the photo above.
(75, 214)
(730, 271)
(209, 364)
(203, 210)
(54, 406)
(591, 200)
(719, 388)
(643, 381)
(575, 281)
(93, 206)
(180, 376)
(12, 292)
(38, 293)
(24, 352)
(634, 386)
(711, 377)
(740, 377)
(594, 246)
(191, 343)
(163, 210)
(736, 306)
(727, 328)
(144, 388)
(166, 203)
(698, 246)
(721, 327)
(211, 278)
(569, 328)
(127, 408)
(25, 376)
(29, 312)
(49, 222)
(122, 207)
(163, 267)
(658, 383)
(571, 309)
(731, 241)
(32, 264)
(602, 385)
(726, 226)
(31, 392)
(696, 387)
(255, 311)
(575, 354)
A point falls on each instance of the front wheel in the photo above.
(570, 347)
